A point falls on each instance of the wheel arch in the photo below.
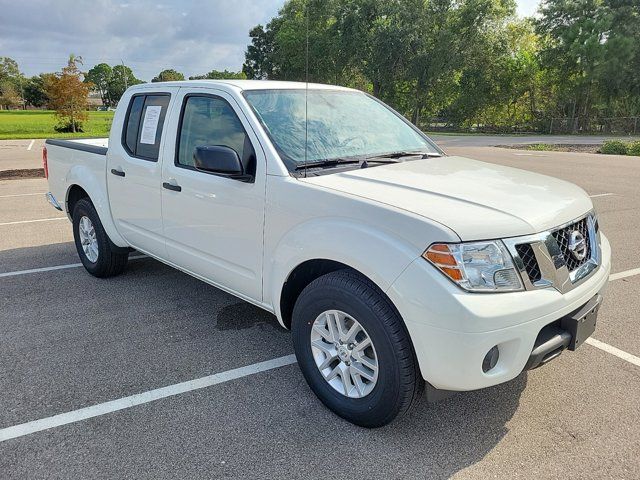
(74, 193)
(301, 276)
(304, 253)
(84, 183)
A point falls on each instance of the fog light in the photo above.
(490, 359)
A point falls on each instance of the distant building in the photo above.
(94, 100)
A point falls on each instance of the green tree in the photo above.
(471, 61)
(220, 75)
(9, 96)
(122, 77)
(618, 76)
(34, 90)
(169, 75)
(574, 34)
(259, 57)
(100, 76)
(9, 69)
(11, 83)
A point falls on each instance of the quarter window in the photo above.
(208, 121)
(144, 124)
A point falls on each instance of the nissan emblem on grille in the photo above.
(560, 257)
(577, 245)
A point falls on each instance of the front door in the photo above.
(213, 225)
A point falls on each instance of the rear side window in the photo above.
(133, 121)
(143, 125)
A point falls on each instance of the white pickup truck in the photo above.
(395, 266)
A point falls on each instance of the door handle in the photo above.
(171, 186)
(118, 173)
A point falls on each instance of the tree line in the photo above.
(469, 62)
(110, 82)
(460, 63)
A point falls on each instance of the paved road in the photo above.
(18, 154)
(493, 140)
(70, 341)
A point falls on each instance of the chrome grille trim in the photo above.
(550, 257)
(530, 263)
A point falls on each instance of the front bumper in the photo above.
(452, 330)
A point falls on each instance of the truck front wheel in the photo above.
(353, 349)
(100, 257)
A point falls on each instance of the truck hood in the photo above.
(475, 199)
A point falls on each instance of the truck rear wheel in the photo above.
(100, 257)
(353, 349)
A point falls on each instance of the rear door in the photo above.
(134, 176)
(213, 225)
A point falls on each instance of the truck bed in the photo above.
(80, 162)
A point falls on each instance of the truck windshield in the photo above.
(341, 125)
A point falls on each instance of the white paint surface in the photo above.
(34, 221)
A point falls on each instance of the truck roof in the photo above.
(241, 85)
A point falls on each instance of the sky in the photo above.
(192, 36)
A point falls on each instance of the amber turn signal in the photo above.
(441, 256)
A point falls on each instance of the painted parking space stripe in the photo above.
(22, 195)
(597, 195)
(54, 219)
(624, 274)
(142, 398)
(38, 270)
(627, 357)
(56, 267)
(30, 144)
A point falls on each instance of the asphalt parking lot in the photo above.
(70, 341)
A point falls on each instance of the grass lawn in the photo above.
(552, 147)
(15, 124)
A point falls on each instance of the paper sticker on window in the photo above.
(150, 124)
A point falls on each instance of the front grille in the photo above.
(525, 251)
(563, 235)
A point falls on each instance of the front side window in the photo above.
(144, 124)
(341, 124)
(209, 121)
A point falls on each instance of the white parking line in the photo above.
(624, 274)
(33, 221)
(38, 270)
(21, 195)
(141, 398)
(602, 195)
(627, 357)
(30, 145)
(50, 269)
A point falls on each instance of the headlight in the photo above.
(476, 266)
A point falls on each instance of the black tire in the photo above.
(112, 259)
(399, 384)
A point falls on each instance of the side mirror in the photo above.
(223, 161)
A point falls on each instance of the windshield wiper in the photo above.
(392, 157)
(332, 162)
(402, 154)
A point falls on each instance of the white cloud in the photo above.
(192, 36)
(526, 8)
